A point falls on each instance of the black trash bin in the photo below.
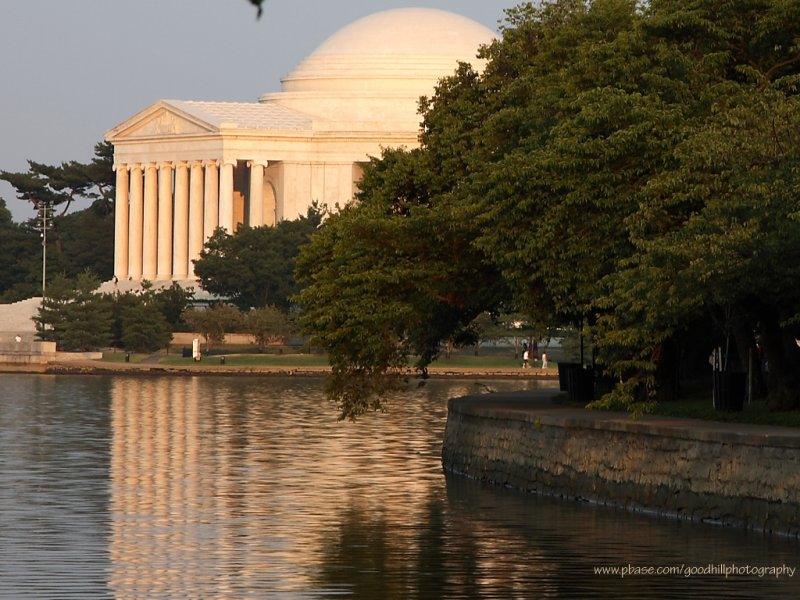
(563, 369)
(580, 384)
(730, 388)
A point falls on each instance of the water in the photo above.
(250, 488)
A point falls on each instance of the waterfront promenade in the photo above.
(730, 474)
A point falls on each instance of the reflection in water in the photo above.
(245, 484)
(230, 488)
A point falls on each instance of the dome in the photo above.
(408, 31)
(376, 68)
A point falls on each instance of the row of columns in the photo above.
(166, 211)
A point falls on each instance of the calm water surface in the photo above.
(250, 488)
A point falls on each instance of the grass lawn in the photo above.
(251, 360)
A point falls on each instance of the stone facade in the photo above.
(26, 352)
(746, 477)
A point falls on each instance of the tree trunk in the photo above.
(783, 360)
(748, 360)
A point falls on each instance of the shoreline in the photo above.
(94, 367)
(741, 476)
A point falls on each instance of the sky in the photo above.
(70, 71)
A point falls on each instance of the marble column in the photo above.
(211, 199)
(150, 226)
(121, 223)
(255, 217)
(180, 236)
(226, 196)
(195, 214)
(135, 222)
(165, 223)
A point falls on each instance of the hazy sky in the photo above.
(71, 70)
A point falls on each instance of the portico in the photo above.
(178, 182)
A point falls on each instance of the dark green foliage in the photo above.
(213, 323)
(630, 167)
(59, 186)
(172, 302)
(20, 259)
(254, 267)
(144, 327)
(76, 242)
(74, 316)
(78, 318)
(144, 322)
(268, 325)
(85, 240)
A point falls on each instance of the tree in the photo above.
(593, 175)
(144, 321)
(20, 259)
(144, 328)
(214, 323)
(268, 325)
(59, 186)
(389, 277)
(254, 267)
(73, 316)
(81, 240)
(172, 301)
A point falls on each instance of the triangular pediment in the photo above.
(159, 120)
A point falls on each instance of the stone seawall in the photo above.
(736, 475)
(25, 352)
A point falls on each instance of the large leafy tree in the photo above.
(254, 267)
(391, 276)
(630, 167)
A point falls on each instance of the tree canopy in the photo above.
(76, 241)
(632, 167)
(254, 267)
(60, 185)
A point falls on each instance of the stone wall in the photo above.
(25, 352)
(743, 476)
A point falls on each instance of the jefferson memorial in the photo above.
(185, 167)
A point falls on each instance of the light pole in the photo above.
(44, 223)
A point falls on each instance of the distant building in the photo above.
(187, 167)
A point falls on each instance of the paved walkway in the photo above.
(540, 406)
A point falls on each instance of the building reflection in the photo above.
(217, 487)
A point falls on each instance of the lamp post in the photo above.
(44, 222)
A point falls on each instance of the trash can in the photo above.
(729, 390)
(222, 360)
(580, 384)
(127, 357)
(563, 369)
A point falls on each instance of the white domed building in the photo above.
(186, 167)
